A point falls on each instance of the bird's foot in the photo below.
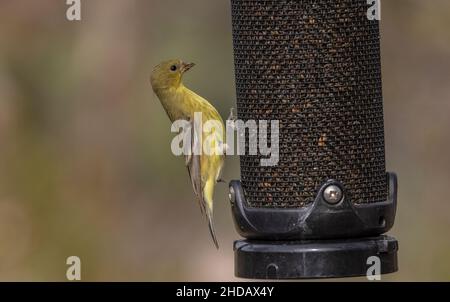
(232, 116)
(220, 180)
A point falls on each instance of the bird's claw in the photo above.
(232, 116)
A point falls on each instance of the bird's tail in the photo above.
(211, 229)
(208, 201)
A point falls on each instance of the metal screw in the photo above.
(232, 195)
(332, 194)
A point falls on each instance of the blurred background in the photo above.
(85, 161)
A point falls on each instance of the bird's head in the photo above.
(168, 74)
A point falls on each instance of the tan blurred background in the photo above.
(85, 161)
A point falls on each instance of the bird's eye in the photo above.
(173, 67)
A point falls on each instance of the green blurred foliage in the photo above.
(85, 161)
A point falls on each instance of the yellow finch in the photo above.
(180, 103)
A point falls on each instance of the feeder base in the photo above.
(315, 258)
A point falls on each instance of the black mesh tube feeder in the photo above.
(313, 65)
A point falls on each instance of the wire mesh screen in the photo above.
(314, 65)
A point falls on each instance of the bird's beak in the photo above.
(186, 66)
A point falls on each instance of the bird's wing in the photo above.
(193, 164)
